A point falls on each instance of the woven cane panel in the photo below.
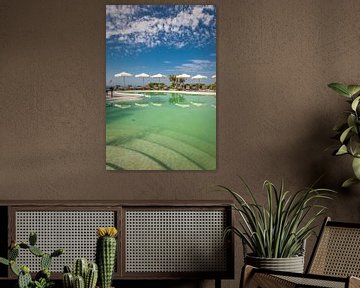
(338, 253)
(175, 241)
(306, 282)
(74, 231)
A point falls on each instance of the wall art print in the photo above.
(161, 87)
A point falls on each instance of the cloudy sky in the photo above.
(167, 39)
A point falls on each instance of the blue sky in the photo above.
(166, 39)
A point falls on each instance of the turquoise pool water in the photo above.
(162, 131)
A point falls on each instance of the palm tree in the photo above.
(173, 80)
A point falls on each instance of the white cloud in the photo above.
(197, 66)
(143, 25)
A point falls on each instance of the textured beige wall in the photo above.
(275, 113)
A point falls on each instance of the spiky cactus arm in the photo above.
(32, 238)
(45, 261)
(13, 253)
(24, 280)
(36, 251)
(79, 282)
(67, 269)
(68, 280)
(57, 253)
(80, 268)
(91, 276)
(105, 257)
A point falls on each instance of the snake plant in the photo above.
(348, 132)
(279, 228)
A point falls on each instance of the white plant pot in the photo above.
(291, 264)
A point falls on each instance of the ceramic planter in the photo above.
(291, 264)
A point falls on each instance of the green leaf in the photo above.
(340, 88)
(354, 145)
(355, 103)
(345, 134)
(349, 182)
(351, 120)
(353, 89)
(4, 261)
(342, 150)
(356, 167)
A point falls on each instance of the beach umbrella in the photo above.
(143, 76)
(123, 74)
(158, 76)
(183, 76)
(199, 77)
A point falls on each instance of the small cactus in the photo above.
(68, 280)
(79, 282)
(91, 276)
(45, 261)
(89, 272)
(80, 267)
(24, 278)
(106, 254)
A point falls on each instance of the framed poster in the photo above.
(161, 87)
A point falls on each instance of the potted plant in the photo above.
(42, 278)
(348, 132)
(276, 233)
(84, 274)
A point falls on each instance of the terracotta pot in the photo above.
(291, 264)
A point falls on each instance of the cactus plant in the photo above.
(84, 274)
(105, 254)
(24, 280)
(91, 276)
(42, 278)
(68, 280)
(79, 282)
(80, 268)
(45, 261)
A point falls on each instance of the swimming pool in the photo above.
(162, 131)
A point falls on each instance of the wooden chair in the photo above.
(335, 262)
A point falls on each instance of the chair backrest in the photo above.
(337, 251)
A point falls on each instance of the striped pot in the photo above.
(291, 264)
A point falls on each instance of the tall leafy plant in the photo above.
(279, 229)
(348, 133)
